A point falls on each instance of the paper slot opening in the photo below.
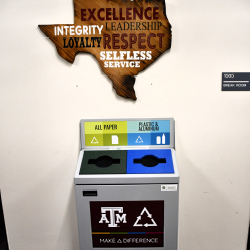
(104, 161)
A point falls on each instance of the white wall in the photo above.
(43, 98)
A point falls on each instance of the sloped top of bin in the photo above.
(127, 133)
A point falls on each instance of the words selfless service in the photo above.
(130, 57)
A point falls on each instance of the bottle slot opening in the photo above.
(150, 161)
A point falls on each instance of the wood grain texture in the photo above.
(156, 39)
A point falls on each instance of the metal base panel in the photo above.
(128, 216)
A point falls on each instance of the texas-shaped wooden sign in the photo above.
(125, 37)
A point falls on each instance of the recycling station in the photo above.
(127, 184)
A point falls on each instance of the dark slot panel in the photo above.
(89, 193)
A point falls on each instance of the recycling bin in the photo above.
(127, 185)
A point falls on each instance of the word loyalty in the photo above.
(82, 42)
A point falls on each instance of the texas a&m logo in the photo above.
(115, 215)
